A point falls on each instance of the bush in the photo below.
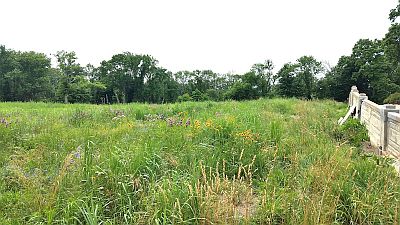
(197, 95)
(393, 99)
(185, 98)
(213, 95)
(354, 132)
(241, 91)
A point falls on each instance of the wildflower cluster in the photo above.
(197, 124)
(5, 122)
(248, 135)
(154, 117)
(80, 116)
(183, 114)
(71, 159)
(215, 126)
(209, 123)
(118, 114)
(178, 122)
(231, 119)
(118, 117)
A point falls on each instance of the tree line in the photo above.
(127, 77)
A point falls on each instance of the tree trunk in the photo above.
(66, 99)
(116, 96)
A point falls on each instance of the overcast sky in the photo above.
(221, 35)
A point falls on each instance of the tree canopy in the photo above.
(374, 66)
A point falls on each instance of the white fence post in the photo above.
(353, 89)
(362, 98)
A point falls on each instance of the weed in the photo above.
(353, 132)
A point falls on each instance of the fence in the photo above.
(381, 121)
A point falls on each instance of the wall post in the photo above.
(353, 89)
(362, 98)
(385, 109)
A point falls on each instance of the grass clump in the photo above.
(352, 132)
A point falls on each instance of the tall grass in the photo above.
(279, 161)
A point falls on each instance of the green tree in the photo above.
(71, 76)
(184, 98)
(197, 95)
(339, 81)
(391, 44)
(286, 80)
(24, 76)
(299, 79)
(306, 76)
(161, 87)
(265, 77)
(394, 13)
(372, 67)
(373, 75)
(125, 76)
(241, 91)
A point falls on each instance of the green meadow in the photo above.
(276, 161)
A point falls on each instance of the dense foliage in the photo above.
(393, 99)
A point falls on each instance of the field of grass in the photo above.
(279, 161)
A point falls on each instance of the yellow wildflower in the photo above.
(247, 135)
(209, 123)
(231, 119)
(197, 124)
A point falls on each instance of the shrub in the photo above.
(354, 132)
(241, 91)
(184, 98)
(213, 95)
(197, 95)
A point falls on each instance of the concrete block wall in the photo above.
(371, 118)
(393, 145)
(381, 121)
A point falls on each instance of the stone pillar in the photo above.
(353, 89)
(362, 98)
(385, 109)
